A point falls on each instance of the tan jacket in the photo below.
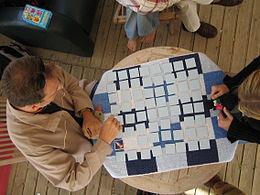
(54, 143)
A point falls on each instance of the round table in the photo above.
(171, 182)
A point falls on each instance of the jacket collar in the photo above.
(47, 122)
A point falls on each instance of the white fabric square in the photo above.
(170, 148)
(178, 135)
(152, 114)
(115, 109)
(160, 101)
(155, 69)
(120, 119)
(148, 92)
(187, 108)
(194, 84)
(166, 67)
(145, 154)
(135, 83)
(137, 94)
(129, 118)
(142, 141)
(200, 120)
(139, 105)
(144, 71)
(157, 151)
(169, 78)
(166, 135)
(126, 96)
(193, 145)
(193, 73)
(171, 89)
(122, 74)
(175, 110)
(159, 91)
(132, 155)
(190, 134)
(111, 88)
(184, 97)
(202, 132)
(153, 127)
(141, 116)
(190, 63)
(124, 85)
(165, 124)
(178, 65)
(204, 144)
(173, 100)
(147, 82)
(157, 80)
(126, 106)
(113, 98)
(134, 72)
(163, 112)
(183, 86)
(120, 156)
(129, 131)
(181, 76)
(111, 76)
(196, 95)
(155, 137)
(189, 121)
(198, 107)
(180, 147)
(150, 103)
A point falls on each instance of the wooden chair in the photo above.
(9, 154)
(167, 15)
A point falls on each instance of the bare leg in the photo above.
(149, 38)
(132, 44)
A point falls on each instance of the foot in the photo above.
(207, 30)
(132, 44)
(149, 38)
(221, 187)
(228, 2)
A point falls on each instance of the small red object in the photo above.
(219, 107)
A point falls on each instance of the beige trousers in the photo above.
(188, 13)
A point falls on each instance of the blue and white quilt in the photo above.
(167, 124)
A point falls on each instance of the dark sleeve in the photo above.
(235, 81)
(242, 131)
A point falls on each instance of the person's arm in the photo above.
(242, 131)
(232, 82)
(63, 171)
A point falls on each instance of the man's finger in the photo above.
(220, 116)
(225, 110)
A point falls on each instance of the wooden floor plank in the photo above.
(41, 185)
(227, 38)
(93, 186)
(51, 190)
(106, 183)
(30, 181)
(256, 181)
(119, 187)
(102, 35)
(20, 176)
(247, 168)
(129, 190)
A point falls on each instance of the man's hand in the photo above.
(91, 125)
(218, 90)
(110, 129)
(224, 122)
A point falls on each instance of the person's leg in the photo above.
(227, 2)
(131, 29)
(190, 19)
(222, 188)
(147, 25)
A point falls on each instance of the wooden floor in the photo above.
(236, 44)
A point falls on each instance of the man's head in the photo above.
(249, 95)
(27, 83)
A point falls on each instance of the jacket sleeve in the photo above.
(235, 81)
(242, 131)
(63, 171)
(80, 97)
